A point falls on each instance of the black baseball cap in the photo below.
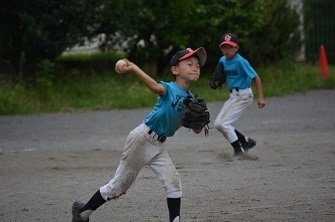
(186, 53)
(229, 39)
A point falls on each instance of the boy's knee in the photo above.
(173, 187)
(116, 188)
(220, 127)
(217, 125)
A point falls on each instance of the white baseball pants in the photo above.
(231, 111)
(142, 149)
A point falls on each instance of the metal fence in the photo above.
(319, 26)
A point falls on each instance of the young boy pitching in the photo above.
(144, 145)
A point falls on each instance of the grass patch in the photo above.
(281, 79)
(108, 91)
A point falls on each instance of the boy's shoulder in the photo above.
(170, 85)
(237, 57)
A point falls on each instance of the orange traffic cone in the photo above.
(323, 64)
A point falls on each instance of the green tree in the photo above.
(153, 30)
(148, 31)
(276, 36)
(35, 30)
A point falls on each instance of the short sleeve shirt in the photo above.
(238, 71)
(165, 118)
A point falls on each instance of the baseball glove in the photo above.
(218, 78)
(196, 115)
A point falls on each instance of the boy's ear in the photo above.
(174, 70)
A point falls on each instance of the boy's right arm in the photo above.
(152, 84)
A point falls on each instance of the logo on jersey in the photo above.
(231, 72)
(176, 102)
(179, 104)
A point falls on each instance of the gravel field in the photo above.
(48, 161)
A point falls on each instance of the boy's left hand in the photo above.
(196, 116)
(197, 131)
(261, 103)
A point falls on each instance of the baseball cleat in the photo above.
(249, 144)
(77, 205)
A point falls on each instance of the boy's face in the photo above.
(228, 50)
(188, 69)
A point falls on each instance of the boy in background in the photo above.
(238, 76)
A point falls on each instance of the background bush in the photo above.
(148, 32)
(73, 91)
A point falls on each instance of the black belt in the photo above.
(159, 138)
(237, 89)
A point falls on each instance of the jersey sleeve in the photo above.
(248, 69)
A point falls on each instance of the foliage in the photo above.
(110, 55)
(161, 28)
(154, 33)
(148, 31)
(42, 30)
(93, 63)
(277, 36)
(73, 92)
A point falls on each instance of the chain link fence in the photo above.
(319, 26)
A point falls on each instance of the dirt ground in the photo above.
(49, 161)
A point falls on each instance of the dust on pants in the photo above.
(142, 150)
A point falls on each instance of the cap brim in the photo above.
(200, 52)
(228, 43)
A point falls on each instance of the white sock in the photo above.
(176, 219)
(86, 214)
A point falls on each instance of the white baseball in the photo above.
(119, 64)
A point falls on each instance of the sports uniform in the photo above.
(144, 146)
(239, 75)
